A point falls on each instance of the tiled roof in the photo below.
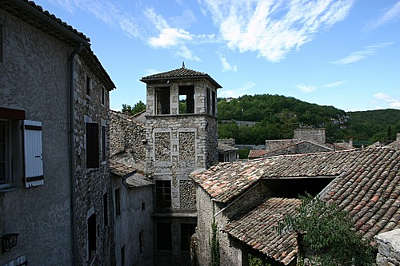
(121, 169)
(394, 145)
(253, 154)
(256, 229)
(180, 73)
(225, 181)
(370, 192)
(31, 9)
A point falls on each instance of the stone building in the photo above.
(247, 199)
(54, 177)
(227, 152)
(133, 209)
(181, 135)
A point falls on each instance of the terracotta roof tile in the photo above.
(256, 229)
(253, 154)
(180, 73)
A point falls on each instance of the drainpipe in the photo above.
(76, 50)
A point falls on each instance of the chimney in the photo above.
(351, 143)
(398, 137)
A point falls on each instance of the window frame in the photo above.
(158, 93)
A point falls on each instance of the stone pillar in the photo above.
(388, 248)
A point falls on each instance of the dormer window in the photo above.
(162, 100)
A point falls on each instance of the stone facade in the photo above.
(126, 135)
(388, 248)
(51, 218)
(134, 224)
(178, 144)
(312, 134)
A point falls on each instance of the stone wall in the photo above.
(388, 248)
(34, 77)
(300, 148)
(312, 134)
(272, 145)
(90, 184)
(126, 135)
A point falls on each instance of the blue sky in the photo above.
(343, 53)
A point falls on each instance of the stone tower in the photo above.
(181, 134)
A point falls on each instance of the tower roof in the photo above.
(180, 73)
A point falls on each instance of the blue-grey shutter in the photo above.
(33, 161)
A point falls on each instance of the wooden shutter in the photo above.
(92, 145)
(33, 153)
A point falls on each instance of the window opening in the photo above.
(92, 145)
(186, 99)
(117, 195)
(92, 236)
(187, 230)
(213, 103)
(4, 151)
(88, 85)
(163, 101)
(164, 236)
(163, 193)
(208, 103)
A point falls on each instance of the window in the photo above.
(91, 223)
(103, 143)
(208, 101)
(164, 236)
(186, 100)
(105, 209)
(141, 242)
(213, 103)
(92, 145)
(1, 43)
(5, 152)
(33, 153)
(88, 85)
(123, 255)
(103, 95)
(143, 206)
(187, 230)
(117, 197)
(162, 101)
(163, 193)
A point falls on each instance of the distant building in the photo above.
(227, 151)
(55, 187)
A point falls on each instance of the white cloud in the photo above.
(306, 88)
(389, 100)
(333, 84)
(170, 37)
(361, 54)
(246, 89)
(105, 11)
(226, 66)
(310, 88)
(273, 28)
(390, 15)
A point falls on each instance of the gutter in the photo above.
(76, 50)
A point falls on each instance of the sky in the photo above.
(344, 53)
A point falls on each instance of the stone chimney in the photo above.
(351, 143)
(398, 136)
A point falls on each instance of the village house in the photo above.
(365, 183)
(55, 186)
(227, 152)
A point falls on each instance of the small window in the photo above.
(5, 152)
(92, 145)
(163, 101)
(187, 230)
(213, 103)
(164, 236)
(141, 242)
(123, 255)
(103, 143)
(103, 95)
(91, 236)
(117, 202)
(88, 85)
(105, 209)
(186, 100)
(143, 206)
(208, 103)
(163, 193)
(1, 43)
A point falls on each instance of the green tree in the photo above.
(137, 108)
(326, 235)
